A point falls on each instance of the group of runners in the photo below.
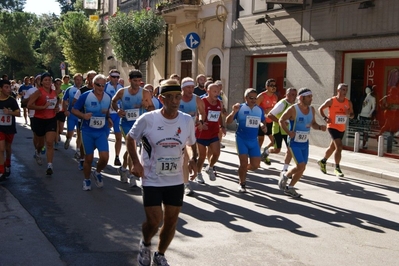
(175, 145)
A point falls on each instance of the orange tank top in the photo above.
(268, 102)
(45, 96)
(337, 114)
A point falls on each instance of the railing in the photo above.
(165, 5)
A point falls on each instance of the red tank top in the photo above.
(41, 101)
(213, 112)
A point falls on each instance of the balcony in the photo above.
(182, 9)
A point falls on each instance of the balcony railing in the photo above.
(170, 5)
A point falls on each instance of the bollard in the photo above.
(381, 146)
(356, 144)
(389, 143)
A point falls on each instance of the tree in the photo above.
(135, 36)
(49, 44)
(67, 5)
(17, 37)
(12, 5)
(81, 41)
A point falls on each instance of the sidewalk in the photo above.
(370, 165)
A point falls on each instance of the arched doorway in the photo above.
(216, 66)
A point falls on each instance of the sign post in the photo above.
(62, 67)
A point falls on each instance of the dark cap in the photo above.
(45, 74)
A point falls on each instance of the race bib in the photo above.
(132, 114)
(213, 116)
(168, 166)
(301, 136)
(97, 122)
(340, 119)
(52, 102)
(252, 121)
(5, 120)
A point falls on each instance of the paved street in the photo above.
(339, 221)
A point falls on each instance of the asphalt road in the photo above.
(339, 221)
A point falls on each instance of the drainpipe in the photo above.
(166, 51)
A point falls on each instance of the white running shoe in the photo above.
(188, 189)
(144, 256)
(242, 188)
(210, 173)
(87, 185)
(292, 192)
(38, 158)
(159, 260)
(282, 183)
(200, 179)
(98, 179)
(123, 175)
(77, 155)
(132, 181)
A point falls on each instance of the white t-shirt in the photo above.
(28, 93)
(278, 108)
(368, 106)
(164, 141)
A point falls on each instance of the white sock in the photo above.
(285, 167)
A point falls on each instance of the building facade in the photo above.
(300, 43)
(318, 44)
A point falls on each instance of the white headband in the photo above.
(305, 94)
(188, 83)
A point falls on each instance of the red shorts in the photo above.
(7, 137)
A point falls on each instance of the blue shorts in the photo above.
(247, 146)
(95, 140)
(207, 142)
(300, 152)
(125, 127)
(72, 122)
(115, 120)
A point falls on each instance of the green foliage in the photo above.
(51, 50)
(17, 37)
(29, 44)
(81, 41)
(12, 5)
(67, 5)
(135, 36)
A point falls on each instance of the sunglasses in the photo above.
(273, 86)
(99, 85)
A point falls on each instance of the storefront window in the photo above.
(374, 92)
